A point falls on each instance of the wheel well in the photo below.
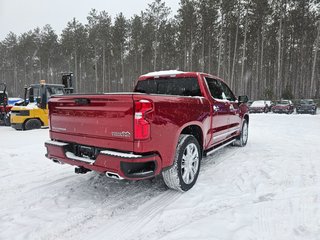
(196, 132)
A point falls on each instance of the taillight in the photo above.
(141, 125)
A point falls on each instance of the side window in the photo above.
(227, 94)
(219, 90)
(215, 88)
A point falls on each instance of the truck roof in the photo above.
(174, 73)
(161, 73)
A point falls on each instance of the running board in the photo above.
(218, 148)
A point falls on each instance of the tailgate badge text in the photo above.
(121, 134)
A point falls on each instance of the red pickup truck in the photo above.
(170, 121)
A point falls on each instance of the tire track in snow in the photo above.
(130, 226)
(154, 207)
(124, 199)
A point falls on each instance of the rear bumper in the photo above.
(306, 110)
(115, 164)
(18, 119)
(278, 110)
(257, 110)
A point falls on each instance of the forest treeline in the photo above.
(262, 48)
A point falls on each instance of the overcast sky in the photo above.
(20, 16)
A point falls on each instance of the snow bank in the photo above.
(267, 190)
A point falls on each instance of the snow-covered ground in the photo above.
(268, 190)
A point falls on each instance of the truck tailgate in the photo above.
(100, 117)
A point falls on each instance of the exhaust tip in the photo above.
(57, 161)
(113, 175)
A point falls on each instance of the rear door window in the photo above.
(170, 86)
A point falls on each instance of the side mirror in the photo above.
(243, 99)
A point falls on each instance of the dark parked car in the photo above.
(283, 106)
(307, 106)
(259, 107)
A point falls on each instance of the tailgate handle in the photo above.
(82, 101)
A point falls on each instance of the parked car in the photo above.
(307, 106)
(249, 103)
(283, 106)
(165, 126)
(259, 107)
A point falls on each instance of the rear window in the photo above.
(306, 101)
(170, 86)
(258, 104)
(284, 102)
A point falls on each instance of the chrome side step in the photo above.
(218, 148)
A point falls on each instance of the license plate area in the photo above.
(85, 151)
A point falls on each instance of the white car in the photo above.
(259, 107)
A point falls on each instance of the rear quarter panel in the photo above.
(170, 115)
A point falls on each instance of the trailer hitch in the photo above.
(81, 170)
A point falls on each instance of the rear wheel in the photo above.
(32, 124)
(242, 139)
(185, 170)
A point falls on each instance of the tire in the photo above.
(242, 139)
(32, 124)
(186, 166)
